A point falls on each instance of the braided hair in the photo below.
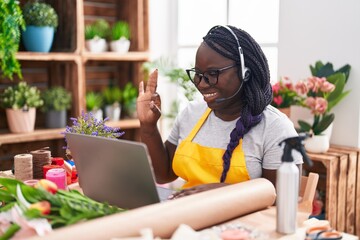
(257, 92)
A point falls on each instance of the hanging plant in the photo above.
(11, 21)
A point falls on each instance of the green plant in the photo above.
(111, 95)
(21, 96)
(321, 92)
(120, 29)
(94, 101)
(40, 14)
(11, 21)
(99, 28)
(56, 98)
(130, 93)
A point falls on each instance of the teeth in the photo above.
(209, 95)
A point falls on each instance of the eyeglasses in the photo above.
(211, 77)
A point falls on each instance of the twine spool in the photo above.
(23, 166)
(40, 158)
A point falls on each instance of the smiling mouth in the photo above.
(209, 95)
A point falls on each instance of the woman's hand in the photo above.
(197, 189)
(149, 102)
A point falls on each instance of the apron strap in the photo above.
(198, 125)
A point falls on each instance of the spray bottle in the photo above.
(287, 185)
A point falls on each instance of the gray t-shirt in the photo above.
(260, 144)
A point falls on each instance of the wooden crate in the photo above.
(339, 174)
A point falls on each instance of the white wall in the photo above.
(327, 30)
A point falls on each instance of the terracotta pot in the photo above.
(21, 121)
(286, 111)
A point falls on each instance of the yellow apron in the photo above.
(198, 164)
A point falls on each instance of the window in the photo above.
(258, 17)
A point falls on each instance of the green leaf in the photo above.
(10, 231)
(337, 100)
(304, 126)
(6, 196)
(346, 70)
(338, 80)
(324, 123)
(10, 184)
(325, 70)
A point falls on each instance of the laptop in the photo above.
(115, 171)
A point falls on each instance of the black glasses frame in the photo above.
(203, 76)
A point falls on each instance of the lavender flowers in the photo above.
(87, 124)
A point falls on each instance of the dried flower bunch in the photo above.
(87, 124)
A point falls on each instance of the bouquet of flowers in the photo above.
(284, 94)
(27, 211)
(320, 93)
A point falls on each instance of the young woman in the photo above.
(230, 137)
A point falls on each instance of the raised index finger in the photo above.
(152, 82)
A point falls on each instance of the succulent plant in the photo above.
(21, 96)
(99, 28)
(120, 29)
(56, 98)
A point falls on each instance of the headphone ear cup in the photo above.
(247, 74)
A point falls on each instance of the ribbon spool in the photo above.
(23, 166)
(41, 158)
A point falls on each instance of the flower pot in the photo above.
(21, 121)
(317, 144)
(120, 46)
(55, 119)
(285, 111)
(96, 45)
(38, 39)
(113, 112)
(98, 114)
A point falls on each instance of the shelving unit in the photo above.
(70, 65)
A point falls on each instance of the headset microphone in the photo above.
(219, 100)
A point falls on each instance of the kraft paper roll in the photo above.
(199, 211)
(23, 166)
(40, 158)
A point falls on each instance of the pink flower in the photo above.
(276, 88)
(327, 87)
(301, 88)
(317, 105)
(278, 100)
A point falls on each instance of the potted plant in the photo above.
(41, 21)
(94, 102)
(112, 99)
(56, 101)
(129, 99)
(12, 21)
(119, 37)
(20, 102)
(95, 36)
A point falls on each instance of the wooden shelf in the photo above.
(56, 133)
(35, 56)
(113, 56)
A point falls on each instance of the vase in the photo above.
(317, 144)
(285, 111)
(55, 119)
(120, 46)
(38, 39)
(21, 121)
(113, 112)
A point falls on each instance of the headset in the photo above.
(245, 72)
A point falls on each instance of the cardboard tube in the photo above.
(199, 211)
